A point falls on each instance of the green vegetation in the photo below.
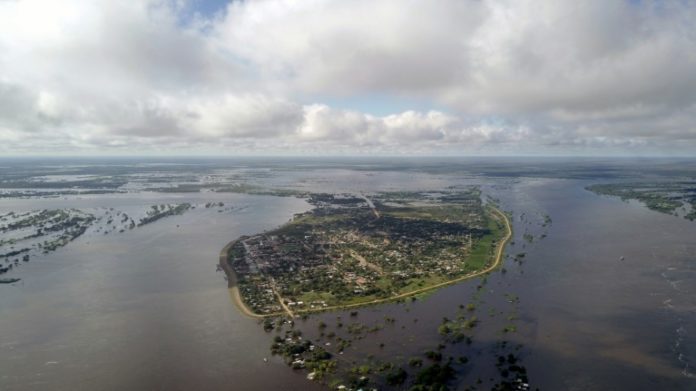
(458, 330)
(664, 197)
(299, 353)
(434, 377)
(39, 231)
(157, 212)
(26, 234)
(350, 250)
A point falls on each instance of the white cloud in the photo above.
(525, 75)
(255, 116)
(490, 56)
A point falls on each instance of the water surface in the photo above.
(146, 309)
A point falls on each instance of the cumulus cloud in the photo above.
(518, 76)
(409, 130)
(492, 57)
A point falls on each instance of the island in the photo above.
(353, 249)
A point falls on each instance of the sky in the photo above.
(348, 77)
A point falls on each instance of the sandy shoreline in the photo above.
(232, 285)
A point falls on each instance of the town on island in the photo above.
(353, 249)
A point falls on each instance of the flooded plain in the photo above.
(603, 297)
(144, 309)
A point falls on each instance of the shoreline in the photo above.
(232, 285)
(239, 301)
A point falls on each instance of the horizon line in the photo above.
(400, 156)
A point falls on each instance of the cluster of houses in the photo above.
(333, 254)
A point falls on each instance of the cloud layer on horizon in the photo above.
(506, 76)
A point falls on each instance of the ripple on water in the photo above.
(683, 305)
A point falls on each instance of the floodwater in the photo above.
(609, 294)
(606, 299)
(141, 310)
